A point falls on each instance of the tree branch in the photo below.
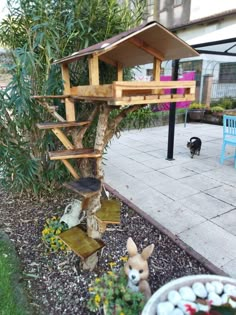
(113, 124)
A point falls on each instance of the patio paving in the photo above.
(193, 199)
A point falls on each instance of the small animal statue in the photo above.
(73, 213)
(136, 268)
(194, 145)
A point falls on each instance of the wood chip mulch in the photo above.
(55, 281)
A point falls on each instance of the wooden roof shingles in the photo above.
(137, 46)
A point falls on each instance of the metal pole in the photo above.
(171, 133)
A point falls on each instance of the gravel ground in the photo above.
(56, 283)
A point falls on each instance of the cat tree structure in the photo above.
(148, 43)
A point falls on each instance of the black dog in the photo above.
(194, 145)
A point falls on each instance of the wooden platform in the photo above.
(122, 93)
(109, 212)
(85, 187)
(74, 154)
(80, 243)
(66, 124)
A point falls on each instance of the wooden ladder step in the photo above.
(80, 243)
(85, 187)
(109, 212)
(74, 154)
(59, 124)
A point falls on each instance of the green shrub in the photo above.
(197, 106)
(111, 291)
(217, 109)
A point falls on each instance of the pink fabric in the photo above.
(188, 76)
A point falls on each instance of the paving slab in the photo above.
(192, 199)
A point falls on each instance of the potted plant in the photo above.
(196, 111)
(214, 115)
(203, 301)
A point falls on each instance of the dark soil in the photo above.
(55, 281)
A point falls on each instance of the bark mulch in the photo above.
(56, 283)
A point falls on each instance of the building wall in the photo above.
(174, 12)
(204, 8)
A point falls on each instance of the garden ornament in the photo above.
(73, 213)
(137, 269)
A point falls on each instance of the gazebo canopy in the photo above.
(219, 42)
(137, 46)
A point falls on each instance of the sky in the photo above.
(2, 9)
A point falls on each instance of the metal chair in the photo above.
(229, 137)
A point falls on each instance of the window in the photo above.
(193, 66)
(178, 2)
(227, 72)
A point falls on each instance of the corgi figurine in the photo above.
(136, 268)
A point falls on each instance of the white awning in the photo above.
(219, 42)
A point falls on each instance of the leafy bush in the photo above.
(197, 106)
(216, 109)
(110, 291)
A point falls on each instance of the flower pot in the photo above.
(161, 294)
(196, 114)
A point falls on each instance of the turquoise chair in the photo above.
(229, 137)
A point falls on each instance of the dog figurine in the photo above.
(136, 268)
(194, 145)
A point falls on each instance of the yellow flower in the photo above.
(122, 313)
(58, 231)
(106, 302)
(97, 299)
(97, 280)
(112, 264)
(110, 273)
(91, 289)
(124, 258)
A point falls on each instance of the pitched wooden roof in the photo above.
(137, 46)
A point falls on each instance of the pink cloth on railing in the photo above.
(187, 76)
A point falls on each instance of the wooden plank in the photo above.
(152, 97)
(150, 101)
(93, 70)
(137, 97)
(108, 60)
(59, 124)
(104, 90)
(50, 96)
(109, 212)
(69, 105)
(70, 169)
(83, 188)
(156, 69)
(74, 154)
(80, 243)
(119, 72)
(63, 138)
(153, 84)
(144, 46)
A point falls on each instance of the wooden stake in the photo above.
(93, 70)
(69, 105)
(119, 72)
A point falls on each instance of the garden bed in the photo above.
(55, 281)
